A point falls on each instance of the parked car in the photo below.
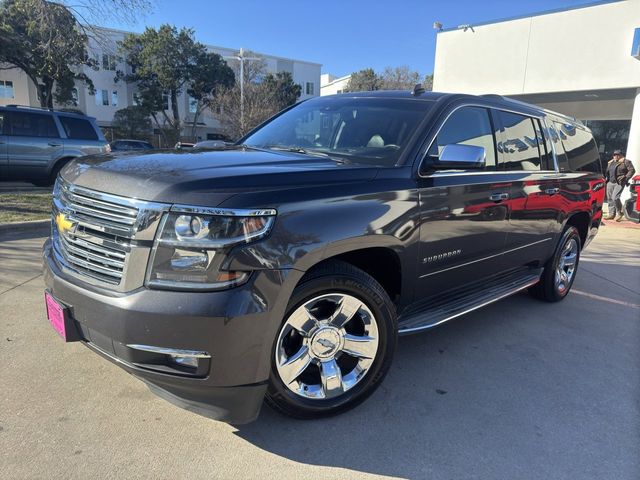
(285, 267)
(129, 145)
(35, 143)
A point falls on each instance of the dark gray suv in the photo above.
(35, 143)
(284, 267)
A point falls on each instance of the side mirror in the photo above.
(460, 156)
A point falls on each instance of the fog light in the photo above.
(191, 362)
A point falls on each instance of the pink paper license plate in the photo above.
(55, 314)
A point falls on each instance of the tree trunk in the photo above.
(176, 112)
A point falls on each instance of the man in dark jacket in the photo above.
(619, 172)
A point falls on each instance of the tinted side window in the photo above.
(520, 142)
(580, 147)
(77, 128)
(32, 125)
(467, 126)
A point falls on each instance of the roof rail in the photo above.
(30, 107)
(493, 95)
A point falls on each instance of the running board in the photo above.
(468, 299)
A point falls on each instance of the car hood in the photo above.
(207, 177)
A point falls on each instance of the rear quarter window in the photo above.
(580, 148)
(78, 128)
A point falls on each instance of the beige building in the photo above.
(331, 85)
(110, 96)
(584, 62)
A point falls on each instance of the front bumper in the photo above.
(236, 327)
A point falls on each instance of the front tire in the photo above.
(560, 271)
(335, 345)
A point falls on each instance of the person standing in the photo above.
(619, 172)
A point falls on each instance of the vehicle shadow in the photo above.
(505, 392)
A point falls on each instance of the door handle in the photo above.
(498, 197)
(53, 144)
(551, 191)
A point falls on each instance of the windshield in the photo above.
(374, 131)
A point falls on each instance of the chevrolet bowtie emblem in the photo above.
(63, 224)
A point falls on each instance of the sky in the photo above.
(344, 36)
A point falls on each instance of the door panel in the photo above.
(463, 220)
(533, 199)
(462, 230)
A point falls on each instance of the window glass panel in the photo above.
(33, 125)
(193, 105)
(78, 128)
(98, 97)
(165, 101)
(105, 97)
(520, 143)
(580, 147)
(114, 98)
(310, 88)
(467, 126)
(6, 89)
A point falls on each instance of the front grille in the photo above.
(95, 234)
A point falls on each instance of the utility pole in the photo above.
(241, 58)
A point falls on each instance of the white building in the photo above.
(584, 62)
(16, 88)
(330, 84)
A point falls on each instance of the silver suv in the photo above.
(35, 143)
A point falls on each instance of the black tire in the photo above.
(548, 289)
(342, 278)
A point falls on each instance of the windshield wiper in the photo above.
(303, 151)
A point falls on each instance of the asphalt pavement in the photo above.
(518, 390)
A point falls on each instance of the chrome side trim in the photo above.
(227, 212)
(486, 258)
(471, 309)
(176, 352)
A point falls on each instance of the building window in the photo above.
(102, 97)
(193, 105)
(114, 98)
(74, 96)
(6, 89)
(165, 101)
(136, 99)
(310, 88)
(108, 62)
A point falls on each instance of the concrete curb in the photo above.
(20, 227)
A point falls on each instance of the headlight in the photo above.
(192, 244)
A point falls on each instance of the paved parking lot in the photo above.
(520, 389)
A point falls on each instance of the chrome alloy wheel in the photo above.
(566, 267)
(326, 346)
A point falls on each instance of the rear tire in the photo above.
(335, 345)
(560, 271)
